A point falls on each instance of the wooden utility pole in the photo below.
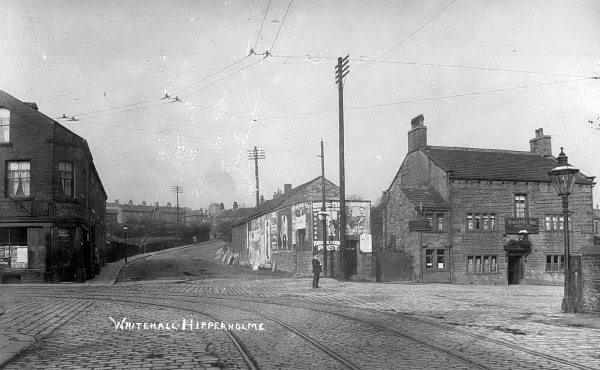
(177, 190)
(256, 155)
(323, 211)
(342, 69)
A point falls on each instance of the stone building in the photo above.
(285, 231)
(53, 203)
(487, 216)
(134, 213)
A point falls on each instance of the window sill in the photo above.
(555, 272)
(6, 145)
(20, 199)
(482, 273)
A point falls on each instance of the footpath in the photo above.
(12, 344)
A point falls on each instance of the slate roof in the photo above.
(293, 196)
(232, 213)
(494, 164)
(426, 196)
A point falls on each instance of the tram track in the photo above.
(140, 297)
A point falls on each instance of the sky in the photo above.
(261, 73)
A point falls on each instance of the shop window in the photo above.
(520, 205)
(18, 178)
(482, 264)
(66, 178)
(11, 238)
(481, 221)
(555, 263)
(4, 125)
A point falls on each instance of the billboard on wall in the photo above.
(358, 222)
(332, 226)
(357, 219)
(300, 213)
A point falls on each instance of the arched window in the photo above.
(4, 125)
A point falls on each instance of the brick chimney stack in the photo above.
(541, 144)
(235, 205)
(144, 203)
(417, 136)
(287, 188)
(116, 201)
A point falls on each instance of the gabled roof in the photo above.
(295, 195)
(425, 196)
(493, 164)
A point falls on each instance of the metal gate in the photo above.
(394, 266)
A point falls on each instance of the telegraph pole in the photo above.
(342, 69)
(177, 189)
(323, 212)
(256, 155)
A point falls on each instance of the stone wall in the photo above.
(590, 262)
(365, 266)
(498, 197)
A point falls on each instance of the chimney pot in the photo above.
(144, 203)
(130, 202)
(417, 136)
(541, 144)
(235, 205)
(116, 201)
(169, 204)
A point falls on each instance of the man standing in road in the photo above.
(316, 265)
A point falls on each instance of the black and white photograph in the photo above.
(299, 184)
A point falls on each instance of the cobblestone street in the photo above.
(343, 325)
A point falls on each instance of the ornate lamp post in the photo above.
(125, 228)
(563, 177)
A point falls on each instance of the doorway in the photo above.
(515, 269)
(352, 255)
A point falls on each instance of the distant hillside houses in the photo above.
(117, 213)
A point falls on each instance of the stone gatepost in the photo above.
(590, 266)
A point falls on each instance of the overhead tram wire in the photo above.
(429, 99)
(192, 137)
(155, 100)
(150, 73)
(281, 25)
(229, 75)
(442, 66)
(261, 26)
(409, 36)
(209, 76)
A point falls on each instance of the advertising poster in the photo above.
(357, 218)
(332, 209)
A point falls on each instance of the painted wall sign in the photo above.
(513, 225)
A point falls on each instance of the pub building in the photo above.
(484, 216)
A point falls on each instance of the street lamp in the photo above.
(323, 218)
(563, 177)
(125, 229)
